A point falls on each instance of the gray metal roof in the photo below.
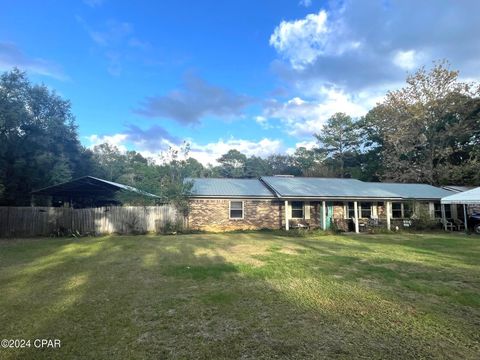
(457, 188)
(229, 188)
(467, 197)
(306, 187)
(88, 186)
(413, 191)
(326, 187)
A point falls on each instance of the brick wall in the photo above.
(213, 215)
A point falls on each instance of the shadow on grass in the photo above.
(189, 296)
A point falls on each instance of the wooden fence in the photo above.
(48, 221)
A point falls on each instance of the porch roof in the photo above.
(466, 197)
(414, 191)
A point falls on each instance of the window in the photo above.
(396, 210)
(236, 209)
(407, 210)
(365, 210)
(448, 212)
(297, 210)
(437, 210)
(350, 210)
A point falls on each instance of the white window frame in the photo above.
(401, 210)
(439, 211)
(346, 209)
(303, 210)
(360, 210)
(230, 210)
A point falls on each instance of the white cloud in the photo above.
(407, 60)
(117, 140)
(204, 153)
(263, 122)
(209, 153)
(302, 118)
(310, 144)
(301, 41)
(358, 45)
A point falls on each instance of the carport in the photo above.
(470, 197)
(97, 191)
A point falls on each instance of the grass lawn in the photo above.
(243, 295)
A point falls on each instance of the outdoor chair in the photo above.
(459, 224)
(448, 224)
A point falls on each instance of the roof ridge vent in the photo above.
(286, 176)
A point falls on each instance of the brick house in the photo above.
(275, 202)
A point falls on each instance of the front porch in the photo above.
(362, 215)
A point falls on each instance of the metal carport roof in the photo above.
(88, 186)
(466, 197)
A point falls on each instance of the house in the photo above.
(276, 202)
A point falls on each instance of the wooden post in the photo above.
(355, 204)
(287, 225)
(465, 217)
(388, 206)
(324, 216)
(444, 220)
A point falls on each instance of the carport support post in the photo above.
(287, 225)
(324, 216)
(465, 217)
(355, 204)
(444, 220)
(388, 205)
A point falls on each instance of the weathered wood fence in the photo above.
(47, 221)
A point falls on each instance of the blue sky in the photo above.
(259, 76)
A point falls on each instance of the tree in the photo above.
(233, 164)
(283, 165)
(38, 140)
(256, 167)
(338, 140)
(428, 130)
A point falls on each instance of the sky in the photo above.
(259, 76)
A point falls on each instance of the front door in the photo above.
(329, 214)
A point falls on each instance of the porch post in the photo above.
(465, 217)
(324, 216)
(355, 204)
(287, 225)
(388, 206)
(444, 220)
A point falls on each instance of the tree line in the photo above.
(427, 132)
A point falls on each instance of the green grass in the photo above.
(243, 295)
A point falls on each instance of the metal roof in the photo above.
(326, 188)
(466, 197)
(210, 187)
(457, 188)
(413, 191)
(309, 187)
(88, 186)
